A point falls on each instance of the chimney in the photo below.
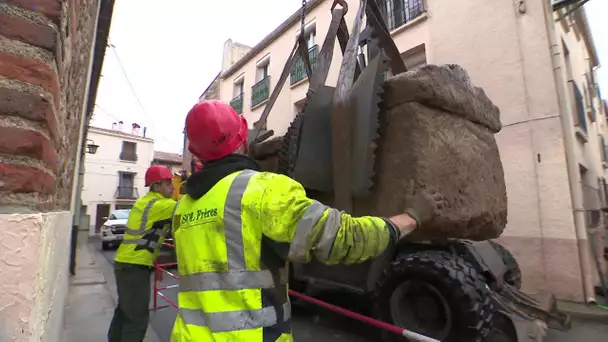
(113, 126)
(145, 128)
(135, 130)
(120, 125)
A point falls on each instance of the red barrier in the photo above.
(368, 320)
(159, 271)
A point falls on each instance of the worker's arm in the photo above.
(163, 214)
(289, 217)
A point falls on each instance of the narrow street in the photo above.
(310, 324)
(313, 324)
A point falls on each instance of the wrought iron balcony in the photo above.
(237, 103)
(579, 107)
(400, 12)
(260, 91)
(298, 72)
(126, 192)
(128, 156)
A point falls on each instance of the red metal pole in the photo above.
(379, 324)
(155, 284)
(168, 300)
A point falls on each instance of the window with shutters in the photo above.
(237, 100)
(126, 186)
(129, 151)
(399, 12)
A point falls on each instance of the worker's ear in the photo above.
(154, 187)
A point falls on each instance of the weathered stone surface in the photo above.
(24, 142)
(25, 179)
(77, 38)
(50, 8)
(44, 64)
(12, 27)
(29, 106)
(438, 129)
(29, 70)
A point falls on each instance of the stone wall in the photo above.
(45, 61)
(45, 50)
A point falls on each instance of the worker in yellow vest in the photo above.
(149, 222)
(236, 229)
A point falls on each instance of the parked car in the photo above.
(113, 230)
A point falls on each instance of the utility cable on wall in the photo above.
(115, 118)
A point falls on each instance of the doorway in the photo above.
(103, 210)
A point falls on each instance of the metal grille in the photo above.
(399, 12)
(126, 192)
(580, 107)
(237, 103)
(260, 91)
(298, 72)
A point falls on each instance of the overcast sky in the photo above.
(170, 53)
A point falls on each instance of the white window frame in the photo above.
(310, 27)
(239, 83)
(262, 64)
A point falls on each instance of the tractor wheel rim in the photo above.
(419, 306)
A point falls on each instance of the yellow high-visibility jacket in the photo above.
(149, 222)
(233, 275)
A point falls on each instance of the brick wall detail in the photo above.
(45, 51)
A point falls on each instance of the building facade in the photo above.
(232, 53)
(171, 160)
(51, 54)
(538, 71)
(114, 175)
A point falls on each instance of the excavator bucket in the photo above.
(518, 317)
(367, 97)
(306, 154)
(526, 318)
(309, 147)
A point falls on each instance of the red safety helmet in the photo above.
(156, 173)
(214, 130)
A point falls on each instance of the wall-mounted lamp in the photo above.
(91, 147)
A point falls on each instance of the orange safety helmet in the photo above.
(156, 173)
(214, 130)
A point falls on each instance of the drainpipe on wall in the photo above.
(77, 198)
(572, 165)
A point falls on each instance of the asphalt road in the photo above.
(310, 323)
(314, 324)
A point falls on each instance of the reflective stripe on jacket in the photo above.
(149, 222)
(233, 283)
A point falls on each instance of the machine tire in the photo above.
(468, 309)
(294, 284)
(105, 245)
(513, 273)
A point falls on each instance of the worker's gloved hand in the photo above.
(422, 205)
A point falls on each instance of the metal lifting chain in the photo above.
(303, 16)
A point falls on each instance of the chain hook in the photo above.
(303, 17)
(341, 3)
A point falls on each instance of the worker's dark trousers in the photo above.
(130, 319)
